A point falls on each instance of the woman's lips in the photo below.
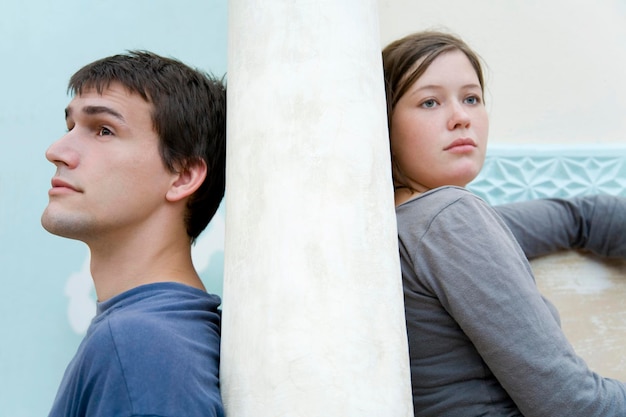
(461, 145)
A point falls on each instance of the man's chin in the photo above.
(60, 225)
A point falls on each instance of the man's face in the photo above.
(110, 180)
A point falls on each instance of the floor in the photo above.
(590, 294)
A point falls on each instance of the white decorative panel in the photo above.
(524, 173)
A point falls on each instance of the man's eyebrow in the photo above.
(93, 110)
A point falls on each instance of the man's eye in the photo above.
(104, 131)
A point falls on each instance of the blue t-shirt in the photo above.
(151, 351)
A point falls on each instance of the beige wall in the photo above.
(556, 74)
(556, 69)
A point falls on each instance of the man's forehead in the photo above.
(113, 98)
(104, 89)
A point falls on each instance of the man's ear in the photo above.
(187, 180)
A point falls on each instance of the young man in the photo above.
(139, 174)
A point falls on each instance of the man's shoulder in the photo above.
(167, 349)
(168, 319)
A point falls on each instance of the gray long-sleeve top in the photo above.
(482, 339)
(595, 223)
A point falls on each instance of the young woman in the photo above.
(482, 339)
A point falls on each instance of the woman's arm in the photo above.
(482, 279)
(595, 223)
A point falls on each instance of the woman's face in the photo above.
(439, 127)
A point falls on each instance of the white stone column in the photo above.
(313, 316)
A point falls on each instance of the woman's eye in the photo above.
(472, 100)
(104, 131)
(428, 104)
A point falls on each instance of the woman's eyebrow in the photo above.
(440, 87)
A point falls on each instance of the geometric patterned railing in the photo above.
(517, 173)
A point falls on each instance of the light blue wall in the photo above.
(41, 44)
(47, 294)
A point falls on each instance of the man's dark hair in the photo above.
(189, 116)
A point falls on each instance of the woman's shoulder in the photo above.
(437, 199)
(446, 209)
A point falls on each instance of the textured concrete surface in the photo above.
(590, 294)
(313, 321)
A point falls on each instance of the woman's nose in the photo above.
(459, 117)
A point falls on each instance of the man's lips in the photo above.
(461, 143)
(59, 185)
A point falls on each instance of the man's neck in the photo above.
(134, 262)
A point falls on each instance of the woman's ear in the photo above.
(187, 180)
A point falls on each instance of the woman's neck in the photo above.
(403, 194)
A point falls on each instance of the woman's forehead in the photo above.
(448, 68)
